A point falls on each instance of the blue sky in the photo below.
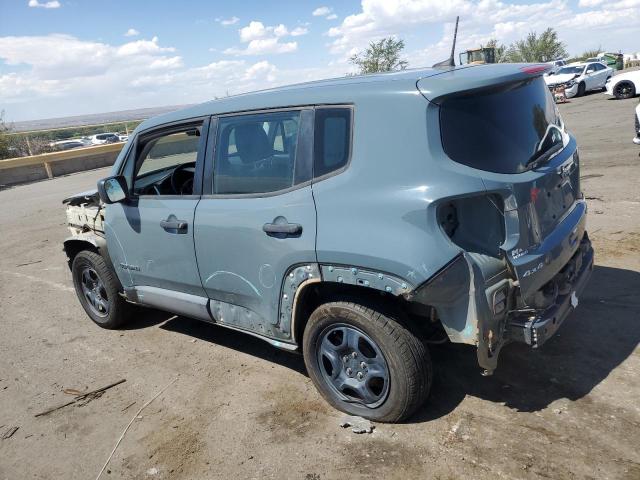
(60, 58)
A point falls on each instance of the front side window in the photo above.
(166, 162)
(332, 140)
(256, 153)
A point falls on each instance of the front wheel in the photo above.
(366, 363)
(581, 89)
(98, 290)
(624, 90)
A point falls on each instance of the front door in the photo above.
(150, 236)
(259, 217)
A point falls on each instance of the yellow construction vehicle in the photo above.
(478, 56)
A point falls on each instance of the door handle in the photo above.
(282, 229)
(177, 226)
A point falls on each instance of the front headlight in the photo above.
(570, 84)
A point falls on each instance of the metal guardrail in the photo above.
(46, 159)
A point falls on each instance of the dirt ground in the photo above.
(241, 409)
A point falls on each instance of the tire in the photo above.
(98, 290)
(623, 90)
(581, 89)
(381, 342)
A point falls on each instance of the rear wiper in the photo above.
(537, 160)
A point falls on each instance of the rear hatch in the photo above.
(503, 122)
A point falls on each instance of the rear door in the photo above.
(595, 76)
(150, 236)
(257, 217)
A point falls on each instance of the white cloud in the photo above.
(333, 16)
(140, 47)
(589, 3)
(132, 32)
(63, 75)
(298, 31)
(259, 70)
(227, 21)
(321, 11)
(257, 30)
(263, 46)
(50, 4)
(262, 40)
(615, 22)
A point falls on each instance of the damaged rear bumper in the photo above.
(535, 327)
(480, 304)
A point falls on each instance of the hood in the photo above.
(555, 79)
(90, 196)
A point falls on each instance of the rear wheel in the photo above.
(98, 290)
(581, 89)
(624, 90)
(366, 363)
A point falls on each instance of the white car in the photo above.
(636, 139)
(67, 144)
(624, 85)
(102, 138)
(556, 65)
(580, 78)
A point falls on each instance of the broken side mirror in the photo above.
(113, 189)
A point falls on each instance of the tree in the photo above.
(499, 48)
(381, 56)
(5, 151)
(534, 48)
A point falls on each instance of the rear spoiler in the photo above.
(474, 77)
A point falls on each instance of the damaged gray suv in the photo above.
(355, 220)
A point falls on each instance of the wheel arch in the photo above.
(88, 241)
(313, 294)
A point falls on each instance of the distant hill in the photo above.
(92, 119)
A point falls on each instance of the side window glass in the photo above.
(166, 164)
(256, 153)
(332, 140)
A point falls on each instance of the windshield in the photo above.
(577, 70)
(505, 129)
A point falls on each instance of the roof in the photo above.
(349, 89)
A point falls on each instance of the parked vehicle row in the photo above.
(577, 79)
(97, 139)
(347, 220)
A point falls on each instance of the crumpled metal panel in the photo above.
(365, 278)
(294, 278)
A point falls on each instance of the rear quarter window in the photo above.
(332, 140)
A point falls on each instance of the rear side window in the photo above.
(256, 153)
(332, 140)
(505, 129)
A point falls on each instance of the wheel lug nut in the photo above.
(354, 354)
(363, 365)
(345, 359)
(349, 371)
(359, 375)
